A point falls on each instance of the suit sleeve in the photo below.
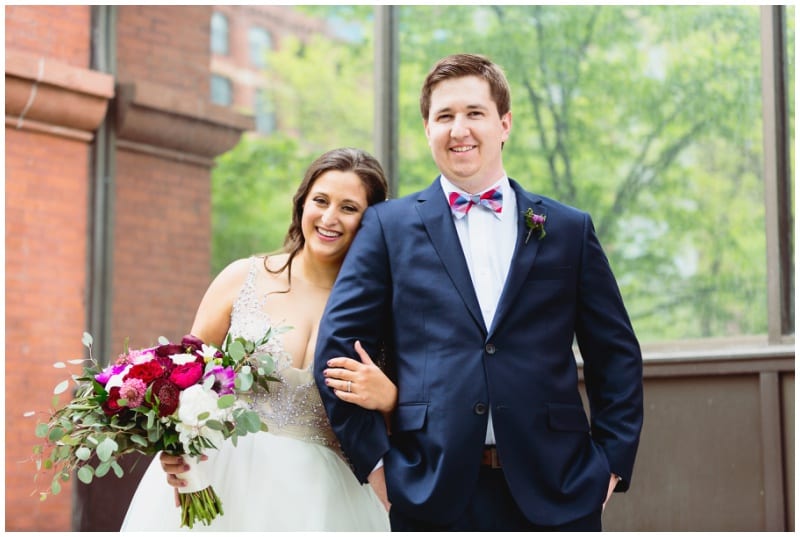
(356, 310)
(612, 360)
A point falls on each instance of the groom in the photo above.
(478, 289)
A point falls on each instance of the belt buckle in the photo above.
(495, 458)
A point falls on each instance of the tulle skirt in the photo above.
(266, 483)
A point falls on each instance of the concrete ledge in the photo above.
(50, 96)
(160, 120)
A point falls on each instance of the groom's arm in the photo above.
(612, 360)
(357, 309)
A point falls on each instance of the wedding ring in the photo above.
(349, 384)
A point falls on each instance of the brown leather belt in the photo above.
(490, 457)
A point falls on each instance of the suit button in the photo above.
(480, 409)
(490, 348)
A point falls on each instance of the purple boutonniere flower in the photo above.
(535, 223)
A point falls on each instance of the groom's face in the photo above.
(465, 132)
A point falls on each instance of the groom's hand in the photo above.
(612, 484)
(377, 479)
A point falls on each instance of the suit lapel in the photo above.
(524, 253)
(438, 221)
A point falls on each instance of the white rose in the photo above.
(196, 400)
(180, 359)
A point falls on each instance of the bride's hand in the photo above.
(172, 465)
(362, 383)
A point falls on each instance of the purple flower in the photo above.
(104, 376)
(191, 343)
(224, 378)
(534, 223)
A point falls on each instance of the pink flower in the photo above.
(133, 390)
(141, 356)
(224, 378)
(186, 375)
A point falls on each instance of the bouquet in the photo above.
(178, 398)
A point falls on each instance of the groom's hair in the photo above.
(461, 65)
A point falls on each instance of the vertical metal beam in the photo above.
(386, 89)
(101, 230)
(772, 452)
(777, 185)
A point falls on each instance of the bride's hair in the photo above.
(344, 159)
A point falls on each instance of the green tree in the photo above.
(251, 197)
(646, 116)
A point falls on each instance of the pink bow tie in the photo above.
(491, 199)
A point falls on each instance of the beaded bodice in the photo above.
(292, 406)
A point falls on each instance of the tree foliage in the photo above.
(648, 117)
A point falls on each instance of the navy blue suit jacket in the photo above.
(405, 284)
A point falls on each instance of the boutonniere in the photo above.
(535, 223)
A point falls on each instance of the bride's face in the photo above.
(332, 213)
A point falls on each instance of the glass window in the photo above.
(259, 43)
(220, 34)
(264, 112)
(221, 90)
(647, 117)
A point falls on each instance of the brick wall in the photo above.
(168, 45)
(161, 235)
(60, 32)
(46, 249)
(162, 254)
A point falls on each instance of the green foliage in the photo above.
(86, 438)
(252, 189)
(647, 116)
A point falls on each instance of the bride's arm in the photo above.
(213, 317)
(211, 324)
(362, 383)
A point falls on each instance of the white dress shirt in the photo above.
(487, 239)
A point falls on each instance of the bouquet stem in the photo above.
(203, 506)
(198, 500)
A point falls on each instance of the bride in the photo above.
(293, 477)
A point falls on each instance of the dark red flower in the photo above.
(111, 405)
(146, 372)
(191, 343)
(168, 395)
(186, 375)
(169, 349)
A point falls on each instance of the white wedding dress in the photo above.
(292, 478)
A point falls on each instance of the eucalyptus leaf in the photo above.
(138, 439)
(236, 350)
(118, 471)
(61, 387)
(215, 425)
(87, 339)
(55, 434)
(83, 453)
(106, 449)
(85, 474)
(226, 401)
(102, 468)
